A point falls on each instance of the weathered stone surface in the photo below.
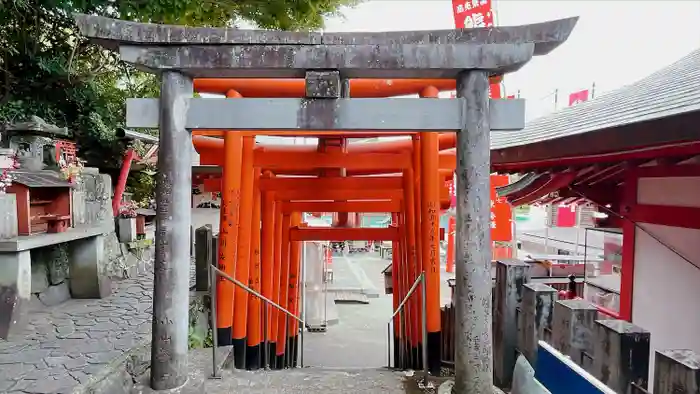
(546, 36)
(55, 259)
(354, 61)
(8, 216)
(55, 294)
(40, 276)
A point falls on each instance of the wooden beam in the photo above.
(347, 206)
(312, 160)
(680, 170)
(337, 195)
(343, 234)
(666, 215)
(346, 183)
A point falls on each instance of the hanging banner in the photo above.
(566, 215)
(578, 97)
(472, 14)
(501, 212)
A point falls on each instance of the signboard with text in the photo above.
(471, 14)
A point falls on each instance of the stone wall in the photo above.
(615, 352)
(92, 206)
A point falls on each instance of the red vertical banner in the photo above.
(450, 184)
(578, 97)
(501, 212)
(472, 14)
(566, 215)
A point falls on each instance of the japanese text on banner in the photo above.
(469, 14)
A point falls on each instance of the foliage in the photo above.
(47, 70)
(142, 185)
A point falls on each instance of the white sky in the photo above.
(614, 43)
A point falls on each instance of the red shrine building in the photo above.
(635, 153)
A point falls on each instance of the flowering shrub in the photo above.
(71, 171)
(127, 210)
(6, 176)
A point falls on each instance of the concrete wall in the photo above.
(666, 287)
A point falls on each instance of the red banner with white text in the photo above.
(472, 14)
(578, 97)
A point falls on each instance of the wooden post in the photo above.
(253, 359)
(171, 287)
(419, 265)
(276, 284)
(396, 295)
(203, 257)
(240, 308)
(473, 314)
(228, 231)
(267, 261)
(284, 284)
(293, 293)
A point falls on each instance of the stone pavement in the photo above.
(359, 340)
(309, 380)
(72, 344)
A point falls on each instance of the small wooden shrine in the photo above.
(43, 195)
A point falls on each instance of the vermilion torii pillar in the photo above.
(470, 56)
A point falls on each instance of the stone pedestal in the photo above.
(572, 326)
(88, 278)
(15, 291)
(621, 354)
(677, 371)
(535, 319)
(127, 229)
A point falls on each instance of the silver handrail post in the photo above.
(388, 344)
(266, 353)
(424, 323)
(214, 336)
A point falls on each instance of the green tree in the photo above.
(47, 70)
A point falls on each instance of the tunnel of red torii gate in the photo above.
(339, 178)
(343, 79)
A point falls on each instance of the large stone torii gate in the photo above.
(326, 61)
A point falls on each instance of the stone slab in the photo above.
(111, 32)
(40, 240)
(358, 114)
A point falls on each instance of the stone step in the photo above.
(350, 298)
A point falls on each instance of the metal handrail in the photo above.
(424, 323)
(408, 295)
(214, 272)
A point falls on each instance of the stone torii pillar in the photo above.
(469, 55)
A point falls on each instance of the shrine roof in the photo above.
(659, 110)
(37, 179)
